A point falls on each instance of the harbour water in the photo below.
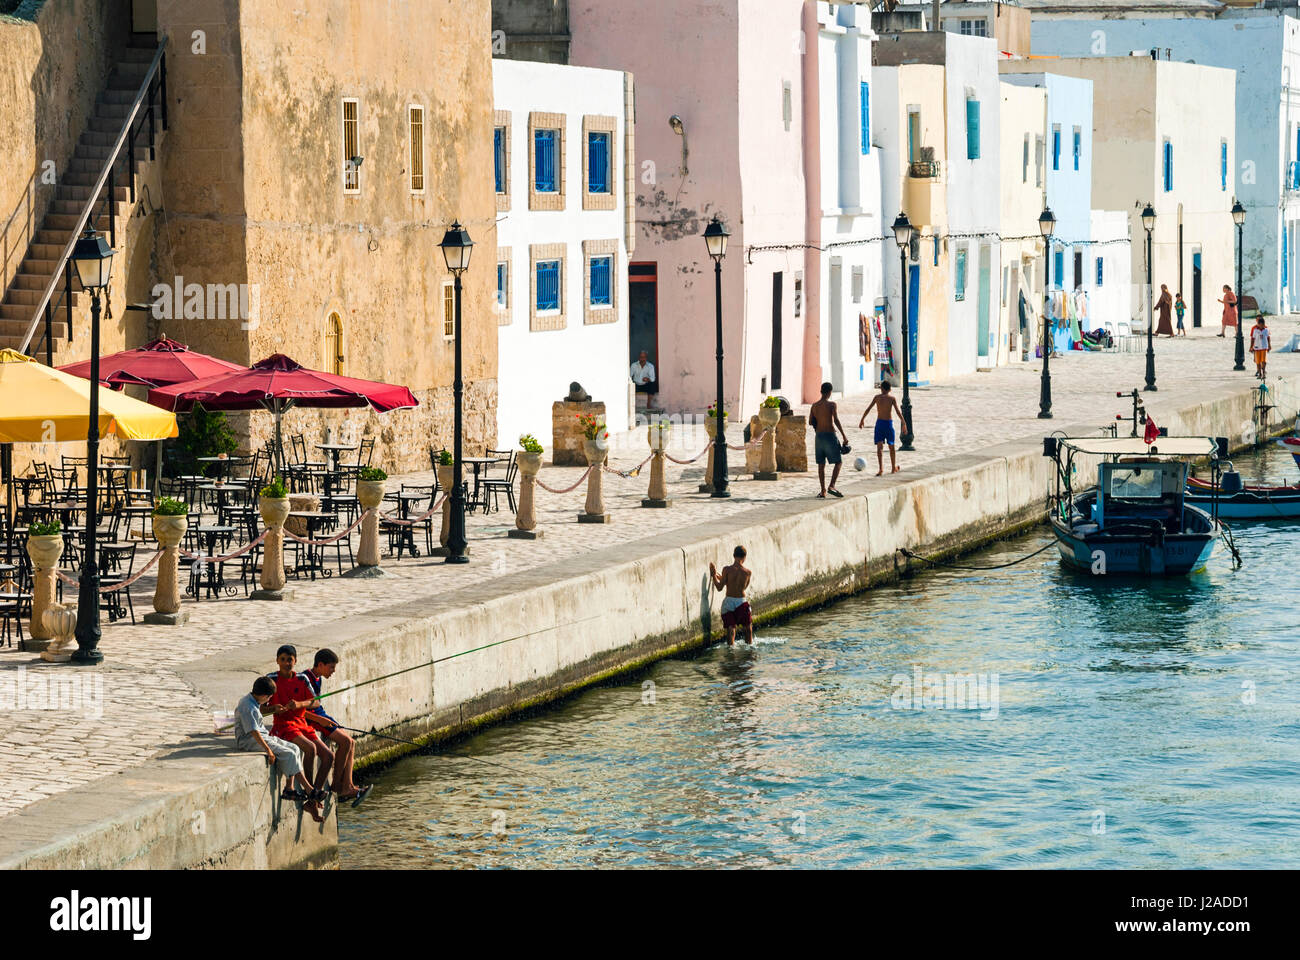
(1026, 716)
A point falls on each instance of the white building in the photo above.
(850, 223)
(1108, 276)
(564, 156)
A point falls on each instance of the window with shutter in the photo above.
(1058, 267)
(1169, 166)
(1024, 164)
(503, 285)
(601, 270)
(598, 163)
(544, 161)
(548, 285)
(972, 129)
(1078, 146)
(864, 107)
(1223, 164)
(1100, 272)
(959, 283)
(416, 118)
(1056, 147)
(499, 155)
(351, 145)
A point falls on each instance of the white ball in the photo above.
(860, 463)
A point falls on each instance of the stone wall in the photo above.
(791, 444)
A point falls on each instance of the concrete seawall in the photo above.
(476, 655)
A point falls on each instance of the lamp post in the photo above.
(1046, 226)
(93, 259)
(715, 238)
(456, 248)
(1149, 224)
(1239, 218)
(903, 234)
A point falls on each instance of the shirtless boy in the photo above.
(884, 404)
(735, 608)
(825, 419)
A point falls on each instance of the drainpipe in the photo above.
(812, 178)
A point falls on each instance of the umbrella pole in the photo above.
(10, 512)
(279, 448)
(157, 467)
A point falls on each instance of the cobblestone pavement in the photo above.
(146, 706)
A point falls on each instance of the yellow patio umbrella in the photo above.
(39, 404)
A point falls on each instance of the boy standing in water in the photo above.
(735, 608)
(884, 404)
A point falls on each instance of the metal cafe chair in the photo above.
(116, 564)
(493, 487)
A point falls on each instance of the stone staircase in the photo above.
(71, 196)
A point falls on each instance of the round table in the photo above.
(315, 555)
(404, 499)
(215, 581)
(477, 464)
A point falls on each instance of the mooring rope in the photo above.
(956, 566)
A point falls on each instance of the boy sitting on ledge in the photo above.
(251, 736)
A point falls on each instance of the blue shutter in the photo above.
(544, 161)
(1169, 166)
(1223, 164)
(865, 108)
(1078, 148)
(548, 285)
(503, 272)
(936, 250)
(600, 282)
(1099, 271)
(499, 152)
(598, 163)
(1058, 266)
(1056, 148)
(960, 292)
(972, 129)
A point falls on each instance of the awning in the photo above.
(1137, 447)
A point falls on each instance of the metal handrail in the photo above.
(104, 174)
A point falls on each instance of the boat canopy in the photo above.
(1137, 447)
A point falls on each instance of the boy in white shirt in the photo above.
(1261, 345)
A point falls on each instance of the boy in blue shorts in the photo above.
(884, 404)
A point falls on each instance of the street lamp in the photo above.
(1046, 226)
(93, 259)
(715, 239)
(1149, 224)
(903, 234)
(1239, 218)
(456, 248)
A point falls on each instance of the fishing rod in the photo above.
(453, 656)
(448, 753)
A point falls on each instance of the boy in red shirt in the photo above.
(293, 697)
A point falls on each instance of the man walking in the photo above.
(884, 404)
(734, 578)
(824, 417)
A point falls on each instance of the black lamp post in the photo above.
(456, 248)
(715, 238)
(1239, 218)
(93, 259)
(1046, 226)
(903, 234)
(1149, 224)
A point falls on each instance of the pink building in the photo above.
(720, 108)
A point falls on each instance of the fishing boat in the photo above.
(1238, 501)
(1292, 445)
(1136, 520)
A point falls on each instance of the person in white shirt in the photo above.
(643, 375)
(1260, 344)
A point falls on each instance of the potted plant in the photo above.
(711, 421)
(769, 414)
(530, 459)
(171, 518)
(370, 487)
(657, 434)
(444, 468)
(45, 544)
(595, 438)
(273, 503)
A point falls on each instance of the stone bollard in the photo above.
(44, 553)
(526, 515)
(272, 581)
(752, 453)
(169, 531)
(61, 622)
(596, 452)
(657, 434)
(711, 428)
(370, 494)
(445, 472)
(768, 417)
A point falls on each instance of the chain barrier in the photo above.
(625, 474)
(112, 587)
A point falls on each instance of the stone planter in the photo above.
(658, 438)
(60, 623)
(445, 471)
(169, 531)
(526, 515)
(711, 428)
(769, 417)
(44, 553)
(594, 509)
(370, 494)
(274, 512)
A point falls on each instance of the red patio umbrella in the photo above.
(279, 383)
(159, 363)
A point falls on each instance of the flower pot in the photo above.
(769, 416)
(274, 510)
(595, 450)
(444, 478)
(658, 438)
(45, 551)
(370, 493)
(169, 530)
(711, 426)
(529, 463)
(60, 620)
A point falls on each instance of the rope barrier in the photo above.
(692, 460)
(113, 587)
(567, 489)
(204, 558)
(754, 442)
(323, 543)
(389, 518)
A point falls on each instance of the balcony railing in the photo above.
(923, 169)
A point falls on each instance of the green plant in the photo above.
(275, 490)
(663, 424)
(371, 474)
(593, 428)
(45, 528)
(205, 433)
(171, 507)
(773, 401)
(713, 411)
(529, 444)
(444, 458)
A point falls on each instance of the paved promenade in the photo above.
(147, 705)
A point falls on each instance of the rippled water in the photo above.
(1147, 725)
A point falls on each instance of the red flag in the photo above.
(1152, 431)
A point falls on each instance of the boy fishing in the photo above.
(734, 578)
(251, 736)
(322, 668)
